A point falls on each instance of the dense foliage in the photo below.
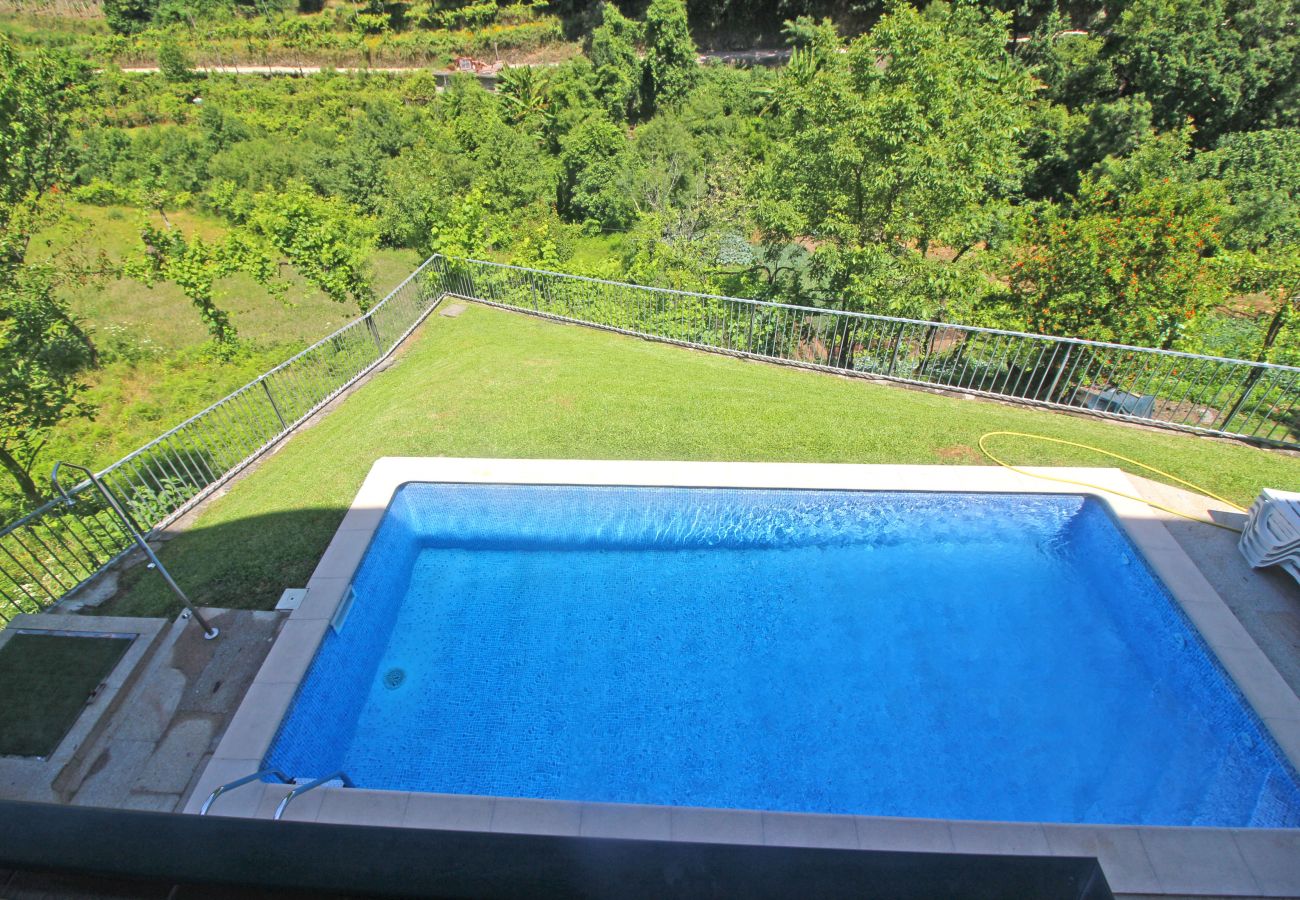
(1125, 172)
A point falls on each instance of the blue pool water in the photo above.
(968, 656)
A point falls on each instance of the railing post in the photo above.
(1251, 380)
(1051, 391)
(898, 342)
(267, 388)
(749, 338)
(209, 631)
(374, 333)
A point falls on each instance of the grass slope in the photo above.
(157, 369)
(497, 384)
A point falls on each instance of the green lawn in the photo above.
(497, 384)
(45, 681)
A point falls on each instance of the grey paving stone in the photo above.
(113, 773)
(616, 820)
(172, 765)
(149, 710)
(1273, 857)
(717, 826)
(1020, 838)
(448, 811)
(220, 671)
(1198, 861)
(152, 802)
(344, 805)
(803, 830)
(924, 835)
(1120, 851)
(516, 816)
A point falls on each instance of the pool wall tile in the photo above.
(619, 820)
(717, 826)
(1120, 851)
(1199, 861)
(926, 835)
(513, 815)
(1273, 857)
(1017, 838)
(361, 807)
(294, 649)
(455, 812)
(810, 830)
(322, 600)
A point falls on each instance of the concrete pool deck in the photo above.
(1181, 861)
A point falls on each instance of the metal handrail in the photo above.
(239, 782)
(210, 631)
(304, 788)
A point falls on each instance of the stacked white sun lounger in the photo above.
(1272, 533)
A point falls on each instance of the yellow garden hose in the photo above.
(1162, 508)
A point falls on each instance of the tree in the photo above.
(617, 68)
(1229, 65)
(671, 66)
(174, 63)
(907, 141)
(40, 362)
(594, 166)
(1126, 258)
(42, 349)
(1260, 172)
(525, 93)
(129, 16)
(324, 239)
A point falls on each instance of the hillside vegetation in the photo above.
(1122, 171)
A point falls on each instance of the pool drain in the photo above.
(394, 677)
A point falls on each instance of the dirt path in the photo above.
(736, 57)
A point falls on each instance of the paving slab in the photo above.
(171, 767)
(113, 772)
(152, 802)
(1265, 601)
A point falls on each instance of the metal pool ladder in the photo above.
(304, 788)
(298, 791)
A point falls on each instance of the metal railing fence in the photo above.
(1252, 401)
(55, 548)
(58, 546)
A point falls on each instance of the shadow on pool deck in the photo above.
(1265, 601)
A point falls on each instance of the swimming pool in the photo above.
(960, 656)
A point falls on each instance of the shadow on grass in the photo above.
(243, 564)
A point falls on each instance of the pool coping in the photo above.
(1136, 859)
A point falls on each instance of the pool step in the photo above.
(1173, 798)
(1278, 804)
(1233, 777)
